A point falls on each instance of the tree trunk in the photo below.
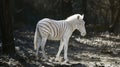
(115, 14)
(6, 20)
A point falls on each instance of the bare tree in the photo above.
(6, 20)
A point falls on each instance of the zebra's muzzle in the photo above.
(83, 34)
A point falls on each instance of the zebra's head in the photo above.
(80, 24)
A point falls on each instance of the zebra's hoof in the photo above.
(58, 59)
(65, 62)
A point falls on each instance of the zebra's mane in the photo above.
(73, 17)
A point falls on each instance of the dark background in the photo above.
(100, 15)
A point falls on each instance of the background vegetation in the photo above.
(100, 15)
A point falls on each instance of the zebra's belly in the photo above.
(54, 38)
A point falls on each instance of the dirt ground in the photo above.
(93, 50)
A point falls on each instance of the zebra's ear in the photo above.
(82, 16)
(78, 17)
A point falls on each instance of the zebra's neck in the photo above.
(72, 24)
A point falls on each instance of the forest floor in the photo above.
(93, 50)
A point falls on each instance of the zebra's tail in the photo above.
(36, 39)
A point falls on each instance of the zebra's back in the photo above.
(52, 28)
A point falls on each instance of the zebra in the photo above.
(57, 30)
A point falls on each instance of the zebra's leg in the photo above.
(38, 46)
(43, 46)
(65, 51)
(60, 49)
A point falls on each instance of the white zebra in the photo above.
(57, 30)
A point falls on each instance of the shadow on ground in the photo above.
(93, 50)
